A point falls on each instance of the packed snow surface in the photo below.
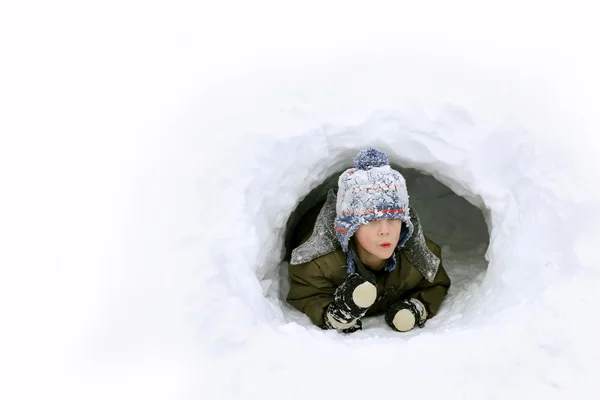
(152, 155)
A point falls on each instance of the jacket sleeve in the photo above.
(432, 294)
(310, 291)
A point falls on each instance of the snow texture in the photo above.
(323, 239)
(418, 253)
(152, 153)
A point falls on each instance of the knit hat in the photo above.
(370, 191)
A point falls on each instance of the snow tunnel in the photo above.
(448, 219)
(503, 198)
(478, 189)
(154, 168)
(485, 193)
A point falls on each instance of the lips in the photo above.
(385, 245)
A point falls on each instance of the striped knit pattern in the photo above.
(370, 191)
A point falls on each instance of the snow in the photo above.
(151, 155)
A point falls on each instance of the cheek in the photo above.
(365, 238)
(399, 229)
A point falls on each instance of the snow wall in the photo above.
(160, 168)
(262, 145)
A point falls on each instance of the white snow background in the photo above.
(152, 152)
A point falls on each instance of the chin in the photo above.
(384, 254)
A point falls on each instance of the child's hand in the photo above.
(351, 301)
(404, 315)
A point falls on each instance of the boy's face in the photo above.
(373, 236)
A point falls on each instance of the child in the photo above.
(367, 255)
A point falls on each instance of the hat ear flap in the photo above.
(405, 233)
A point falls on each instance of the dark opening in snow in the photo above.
(447, 218)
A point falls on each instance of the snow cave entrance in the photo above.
(447, 218)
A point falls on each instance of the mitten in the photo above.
(352, 300)
(344, 328)
(404, 315)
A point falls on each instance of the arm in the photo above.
(310, 292)
(328, 306)
(422, 302)
(432, 294)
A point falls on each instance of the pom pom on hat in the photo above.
(370, 158)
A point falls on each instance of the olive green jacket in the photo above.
(313, 283)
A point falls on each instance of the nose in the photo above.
(384, 228)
